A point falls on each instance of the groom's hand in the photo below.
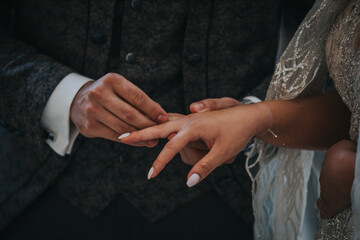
(195, 151)
(112, 106)
(212, 104)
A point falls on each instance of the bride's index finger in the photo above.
(175, 145)
(150, 133)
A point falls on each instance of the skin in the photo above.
(336, 178)
(194, 151)
(112, 106)
(309, 123)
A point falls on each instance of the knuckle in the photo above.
(206, 167)
(170, 145)
(95, 93)
(212, 104)
(109, 78)
(155, 111)
(138, 98)
(90, 110)
(123, 84)
(127, 114)
(231, 101)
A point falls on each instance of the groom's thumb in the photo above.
(212, 104)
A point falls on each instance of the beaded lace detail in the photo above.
(341, 61)
(280, 185)
(340, 226)
(343, 66)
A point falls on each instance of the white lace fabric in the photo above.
(280, 186)
(341, 61)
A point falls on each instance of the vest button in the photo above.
(98, 38)
(136, 4)
(130, 58)
(194, 58)
(124, 157)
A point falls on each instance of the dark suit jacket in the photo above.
(184, 51)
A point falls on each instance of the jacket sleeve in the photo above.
(27, 79)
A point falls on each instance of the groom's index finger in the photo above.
(212, 104)
(140, 100)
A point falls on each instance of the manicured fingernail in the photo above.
(124, 135)
(150, 173)
(199, 106)
(162, 118)
(193, 180)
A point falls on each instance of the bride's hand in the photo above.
(225, 132)
(195, 151)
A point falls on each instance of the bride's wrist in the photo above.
(264, 120)
(255, 118)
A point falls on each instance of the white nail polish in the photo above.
(150, 173)
(123, 135)
(193, 180)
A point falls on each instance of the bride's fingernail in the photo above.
(150, 173)
(193, 180)
(123, 135)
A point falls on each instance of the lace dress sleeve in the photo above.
(343, 61)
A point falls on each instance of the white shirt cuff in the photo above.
(252, 99)
(55, 118)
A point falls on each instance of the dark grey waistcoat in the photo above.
(177, 51)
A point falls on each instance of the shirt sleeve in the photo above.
(55, 118)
